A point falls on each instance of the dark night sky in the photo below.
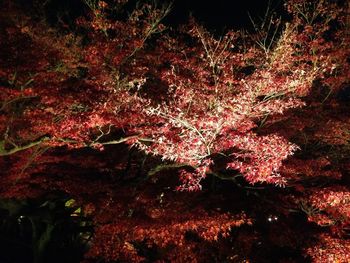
(214, 14)
(219, 14)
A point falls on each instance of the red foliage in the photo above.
(184, 99)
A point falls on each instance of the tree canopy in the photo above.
(171, 143)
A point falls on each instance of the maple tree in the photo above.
(108, 111)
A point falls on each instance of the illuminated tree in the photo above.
(74, 106)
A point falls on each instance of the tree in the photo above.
(191, 102)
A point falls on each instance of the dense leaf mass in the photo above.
(179, 145)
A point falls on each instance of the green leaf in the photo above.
(162, 167)
(2, 147)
